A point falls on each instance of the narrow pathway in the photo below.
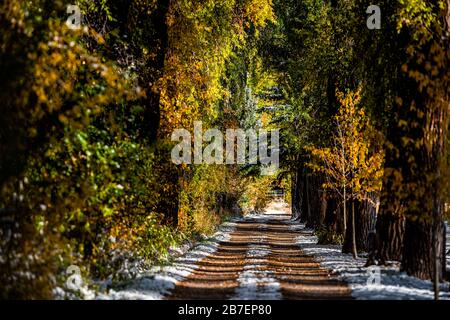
(261, 260)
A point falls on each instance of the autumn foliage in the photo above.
(86, 118)
(85, 171)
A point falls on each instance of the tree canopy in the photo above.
(87, 115)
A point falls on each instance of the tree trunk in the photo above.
(323, 207)
(424, 250)
(297, 193)
(154, 70)
(316, 200)
(424, 253)
(364, 216)
(331, 220)
(344, 209)
(366, 222)
(390, 229)
(354, 250)
(425, 231)
(302, 195)
(390, 224)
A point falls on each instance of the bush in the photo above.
(327, 235)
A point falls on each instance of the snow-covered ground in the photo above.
(256, 282)
(448, 245)
(367, 283)
(157, 282)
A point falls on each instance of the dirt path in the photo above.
(261, 260)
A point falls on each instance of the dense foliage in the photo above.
(86, 175)
(389, 89)
(86, 120)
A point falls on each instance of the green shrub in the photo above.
(326, 235)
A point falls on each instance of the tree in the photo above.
(353, 165)
(426, 99)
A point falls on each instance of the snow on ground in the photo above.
(380, 283)
(155, 283)
(448, 245)
(256, 282)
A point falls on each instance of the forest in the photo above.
(92, 91)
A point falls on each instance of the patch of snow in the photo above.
(256, 282)
(381, 283)
(78, 290)
(156, 283)
(180, 250)
(447, 250)
(274, 210)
